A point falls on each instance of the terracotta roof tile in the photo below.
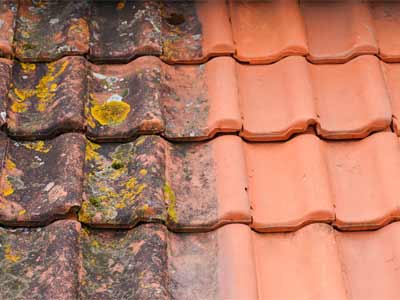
(46, 98)
(262, 33)
(43, 34)
(8, 9)
(41, 181)
(5, 78)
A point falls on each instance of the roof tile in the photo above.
(42, 180)
(5, 79)
(40, 263)
(46, 98)
(123, 30)
(8, 9)
(48, 30)
(261, 32)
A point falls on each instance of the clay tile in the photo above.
(124, 183)
(5, 76)
(288, 184)
(371, 261)
(276, 100)
(204, 171)
(364, 179)
(213, 265)
(392, 78)
(45, 34)
(124, 100)
(123, 30)
(265, 31)
(301, 265)
(40, 263)
(46, 99)
(8, 9)
(338, 30)
(352, 98)
(125, 264)
(197, 103)
(188, 30)
(386, 16)
(42, 180)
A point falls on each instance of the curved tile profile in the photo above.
(46, 98)
(8, 10)
(48, 30)
(392, 78)
(42, 180)
(151, 180)
(266, 31)
(124, 100)
(288, 184)
(40, 263)
(345, 101)
(364, 179)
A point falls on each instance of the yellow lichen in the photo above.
(10, 165)
(91, 153)
(143, 172)
(26, 67)
(89, 118)
(19, 107)
(7, 188)
(22, 212)
(9, 254)
(38, 146)
(110, 113)
(95, 244)
(170, 199)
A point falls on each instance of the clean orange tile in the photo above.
(265, 31)
(276, 100)
(352, 98)
(391, 73)
(364, 177)
(288, 184)
(338, 30)
(300, 265)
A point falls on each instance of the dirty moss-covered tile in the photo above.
(120, 264)
(124, 30)
(190, 188)
(8, 9)
(5, 75)
(181, 31)
(185, 103)
(124, 100)
(40, 263)
(41, 180)
(48, 30)
(123, 183)
(47, 98)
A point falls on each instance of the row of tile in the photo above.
(274, 187)
(263, 103)
(64, 261)
(184, 31)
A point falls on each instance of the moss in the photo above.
(170, 199)
(95, 201)
(116, 165)
(111, 113)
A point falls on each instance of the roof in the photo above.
(199, 150)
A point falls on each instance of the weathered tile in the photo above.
(289, 184)
(196, 103)
(188, 30)
(266, 31)
(352, 99)
(8, 9)
(47, 30)
(215, 265)
(124, 100)
(125, 264)
(276, 100)
(40, 263)
(46, 99)
(338, 30)
(5, 76)
(364, 180)
(124, 30)
(124, 183)
(42, 180)
(205, 188)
